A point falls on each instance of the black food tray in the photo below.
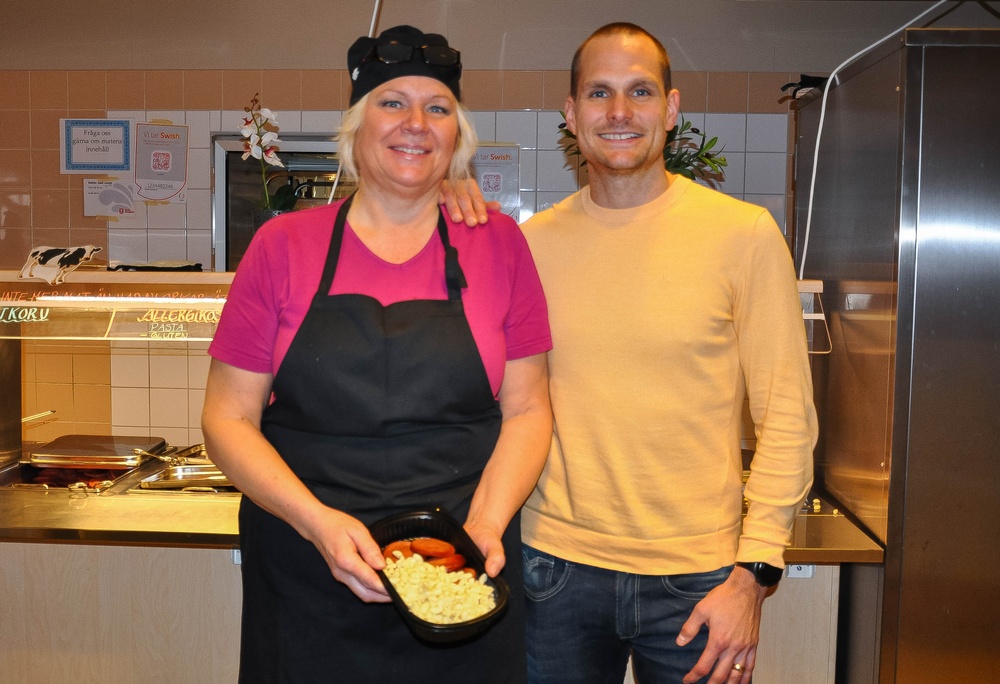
(440, 525)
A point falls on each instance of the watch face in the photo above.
(767, 575)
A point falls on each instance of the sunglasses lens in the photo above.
(439, 55)
(393, 53)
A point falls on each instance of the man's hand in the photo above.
(732, 613)
(464, 202)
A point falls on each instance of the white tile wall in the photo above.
(169, 245)
(733, 183)
(767, 133)
(549, 133)
(485, 124)
(168, 368)
(518, 127)
(168, 407)
(199, 169)
(528, 169)
(556, 171)
(765, 173)
(164, 392)
(532, 130)
(320, 122)
(130, 406)
(129, 368)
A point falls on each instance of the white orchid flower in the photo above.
(271, 157)
(252, 148)
(261, 143)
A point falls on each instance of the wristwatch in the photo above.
(765, 574)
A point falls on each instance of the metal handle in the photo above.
(167, 456)
(38, 416)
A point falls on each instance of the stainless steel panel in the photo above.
(945, 529)
(906, 237)
(852, 248)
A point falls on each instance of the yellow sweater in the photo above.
(663, 318)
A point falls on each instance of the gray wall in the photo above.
(701, 35)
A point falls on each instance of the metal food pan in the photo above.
(95, 451)
(183, 476)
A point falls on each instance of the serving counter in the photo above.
(145, 585)
(204, 520)
(149, 582)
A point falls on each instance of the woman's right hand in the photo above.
(351, 553)
(234, 402)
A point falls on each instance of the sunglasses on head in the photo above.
(397, 53)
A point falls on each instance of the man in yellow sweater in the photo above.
(669, 302)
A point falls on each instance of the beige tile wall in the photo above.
(74, 380)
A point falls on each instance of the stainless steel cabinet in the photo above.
(905, 236)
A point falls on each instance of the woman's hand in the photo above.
(489, 543)
(517, 459)
(350, 551)
(234, 402)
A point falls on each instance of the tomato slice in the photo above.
(401, 546)
(429, 547)
(453, 562)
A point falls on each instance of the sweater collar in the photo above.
(678, 186)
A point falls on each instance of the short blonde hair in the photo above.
(461, 160)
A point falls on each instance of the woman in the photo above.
(357, 373)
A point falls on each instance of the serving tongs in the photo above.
(172, 457)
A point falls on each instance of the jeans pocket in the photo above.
(544, 574)
(696, 585)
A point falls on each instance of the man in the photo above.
(668, 303)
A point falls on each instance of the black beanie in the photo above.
(373, 73)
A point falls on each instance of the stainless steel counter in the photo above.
(167, 519)
(209, 520)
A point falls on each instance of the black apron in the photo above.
(378, 410)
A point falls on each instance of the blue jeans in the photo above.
(584, 622)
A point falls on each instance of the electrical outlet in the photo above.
(801, 571)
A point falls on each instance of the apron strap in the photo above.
(333, 253)
(454, 277)
(452, 269)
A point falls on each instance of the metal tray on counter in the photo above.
(95, 451)
(186, 477)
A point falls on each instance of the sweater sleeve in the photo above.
(774, 358)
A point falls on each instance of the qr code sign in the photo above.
(492, 182)
(160, 161)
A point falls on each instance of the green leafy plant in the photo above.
(260, 133)
(688, 152)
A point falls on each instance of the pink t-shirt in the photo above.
(279, 274)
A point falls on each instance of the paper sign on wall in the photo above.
(108, 198)
(497, 170)
(94, 145)
(161, 152)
